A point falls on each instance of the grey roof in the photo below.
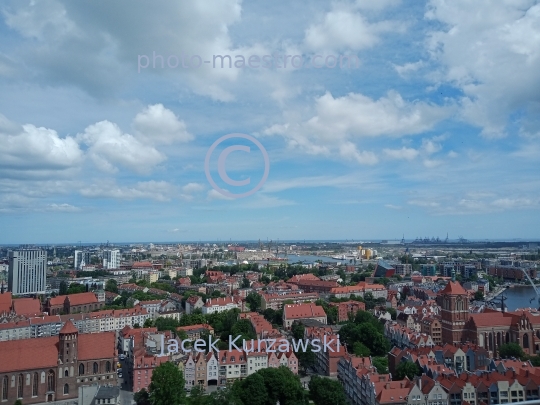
(108, 392)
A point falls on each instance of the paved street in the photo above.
(126, 393)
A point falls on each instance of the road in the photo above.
(126, 391)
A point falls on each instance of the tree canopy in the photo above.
(167, 386)
(511, 350)
(324, 391)
(407, 369)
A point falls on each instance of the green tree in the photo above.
(112, 286)
(298, 329)
(253, 391)
(324, 391)
(283, 386)
(381, 364)
(254, 301)
(306, 359)
(18, 402)
(197, 397)
(63, 288)
(148, 323)
(535, 361)
(361, 350)
(167, 386)
(393, 313)
(142, 397)
(76, 289)
(407, 369)
(511, 350)
(479, 296)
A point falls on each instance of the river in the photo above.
(520, 297)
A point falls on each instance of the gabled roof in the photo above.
(453, 288)
(5, 302)
(82, 298)
(68, 328)
(27, 306)
(299, 311)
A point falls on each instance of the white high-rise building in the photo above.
(81, 259)
(111, 259)
(27, 271)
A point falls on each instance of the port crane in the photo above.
(536, 289)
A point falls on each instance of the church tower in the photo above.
(67, 349)
(454, 312)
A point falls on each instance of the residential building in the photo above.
(213, 305)
(194, 302)
(27, 271)
(295, 312)
(111, 259)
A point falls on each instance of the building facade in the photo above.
(52, 369)
(27, 271)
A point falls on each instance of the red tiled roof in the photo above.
(59, 300)
(5, 302)
(82, 298)
(491, 319)
(28, 354)
(453, 288)
(69, 328)
(307, 310)
(27, 306)
(141, 265)
(96, 345)
(219, 301)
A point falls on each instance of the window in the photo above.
(5, 388)
(96, 368)
(66, 389)
(50, 381)
(20, 385)
(81, 369)
(35, 385)
(66, 373)
(108, 367)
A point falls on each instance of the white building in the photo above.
(111, 259)
(81, 259)
(211, 367)
(214, 305)
(27, 271)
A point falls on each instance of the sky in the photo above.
(379, 119)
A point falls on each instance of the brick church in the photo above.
(52, 368)
(489, 329)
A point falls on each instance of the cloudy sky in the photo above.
(433, 128)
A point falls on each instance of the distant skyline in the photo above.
(240, 241)
(436, 130)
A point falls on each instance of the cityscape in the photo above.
(402, 322)
(232, 202)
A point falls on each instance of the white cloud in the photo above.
(31, 148)
(108, 147)
(153, 190)
(407, 68)
(403, 153)
(338, 122)
(216, 195)
(393, 207)
(158, 125)
(343, 29)
(513, 203)
(491, 52)
(431, 163)
(193, 188)
(62, 208)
